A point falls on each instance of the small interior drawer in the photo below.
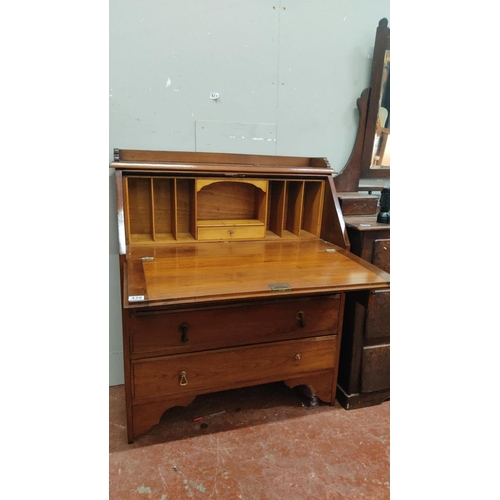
(236, 232)
(210, 371)
(153, 334)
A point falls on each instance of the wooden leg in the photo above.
(145, 416)
(319, 385)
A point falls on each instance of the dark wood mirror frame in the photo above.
(359, 163)
(382, 43)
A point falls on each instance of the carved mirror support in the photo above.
(370, 157)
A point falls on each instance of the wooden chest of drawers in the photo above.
(364, 366)
(358, 204)
(234, 272)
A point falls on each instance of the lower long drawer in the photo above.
(222, 369)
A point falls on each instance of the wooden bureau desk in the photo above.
(233, 273)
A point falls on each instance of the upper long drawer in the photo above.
(152, 334)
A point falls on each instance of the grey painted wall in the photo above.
(288, 73)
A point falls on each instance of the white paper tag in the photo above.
(135, 298)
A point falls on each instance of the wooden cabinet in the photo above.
(364, 364)
(234, 272)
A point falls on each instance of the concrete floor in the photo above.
(256, 443)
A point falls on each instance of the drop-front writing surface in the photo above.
(230, 270)
(211, 242)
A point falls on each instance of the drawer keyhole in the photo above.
(183, 328)
(300, 317)
(183, 378)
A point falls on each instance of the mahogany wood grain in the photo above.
(148, 156)
(201, 316)
(156, 333)
(128, 376)
(333, 226)
(229, 170)
(356, 174)
(231, 368)
(382, 43)
(206, 271)
(349, 177)
(146, 415)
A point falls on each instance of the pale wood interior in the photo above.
(179, 209)
(229, 200)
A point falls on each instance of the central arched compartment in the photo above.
(231, 209)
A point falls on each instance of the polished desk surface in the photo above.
(222, 271)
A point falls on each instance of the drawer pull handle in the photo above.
(183, 328)
(297, 356)
(300, 317)
(183, 380)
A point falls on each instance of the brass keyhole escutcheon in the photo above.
(297, 356)
(183, 378)
(300, 317)
(183, 328)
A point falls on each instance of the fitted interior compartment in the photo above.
(159, 209)
(296, 208)
(165, 209)
(231, 209)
